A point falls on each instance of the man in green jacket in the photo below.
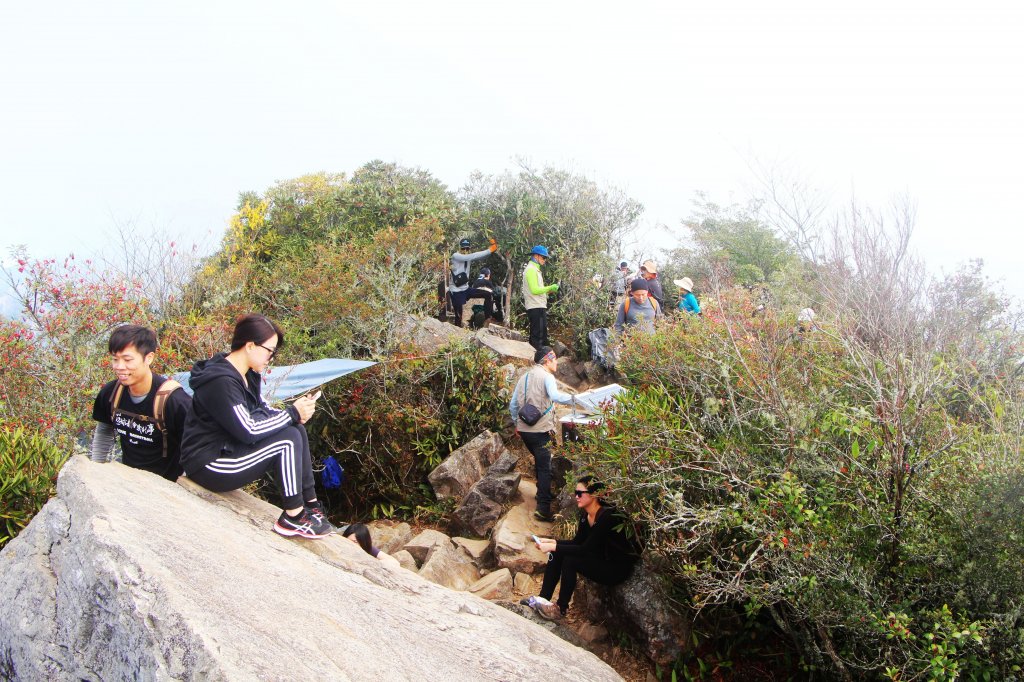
(535, 297)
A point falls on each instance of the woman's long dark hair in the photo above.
(362, 534)
(256, 328)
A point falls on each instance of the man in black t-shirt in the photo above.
(126, 407)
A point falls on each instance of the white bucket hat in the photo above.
(684, 283)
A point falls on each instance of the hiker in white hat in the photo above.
(687, 301)
(649, 271)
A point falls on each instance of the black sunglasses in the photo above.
(581, 493)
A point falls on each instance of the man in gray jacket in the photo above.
(458, 289)
(638, 309)
(538, 388)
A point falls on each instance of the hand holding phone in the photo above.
(315, 396)
(536, 539)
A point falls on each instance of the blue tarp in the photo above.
(281, 383)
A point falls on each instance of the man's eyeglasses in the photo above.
(272, 351)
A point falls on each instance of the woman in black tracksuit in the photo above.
(232, 437)
(601, 550)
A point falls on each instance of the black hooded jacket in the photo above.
(226, 412)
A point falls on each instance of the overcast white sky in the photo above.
(159, 114)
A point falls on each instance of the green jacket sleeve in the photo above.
(532, 282)
(536, 289)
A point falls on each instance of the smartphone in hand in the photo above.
(536, 539)
(315, 396)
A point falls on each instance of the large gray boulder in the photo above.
(644, 609)
(429, 334)
(500, 343)
(571, 373)
(456, 475)
(125, 576)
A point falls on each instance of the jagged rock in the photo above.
(485, 502)
(643, 608)
(524, 583)
(429, 334)
(451, 566)
(504, 347)
(467, 465)
(390, 536)
(506, 463)
(497, 585)
(477, 514)
(592, 633)
(596, 373)
(478, 550)
(501, 487)
(507, 333)
(568, 373)
(561, 350)
(405, 560)
(421, 545)
(513, 547)
(124, 575)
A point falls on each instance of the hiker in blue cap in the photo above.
(535, 297)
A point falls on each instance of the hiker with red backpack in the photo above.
(146, 411)
(638, 309)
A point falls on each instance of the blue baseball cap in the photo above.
(540, 251)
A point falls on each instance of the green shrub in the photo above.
(391, 424)
(28, 475)
(807, 482)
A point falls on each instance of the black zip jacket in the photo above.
(604, 541)
(226, 413)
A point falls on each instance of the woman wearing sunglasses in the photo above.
(232, 437)
(600, 551)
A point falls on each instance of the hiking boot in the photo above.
(549, 611)
(546, 517)
(533, 602)
(304, 525)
